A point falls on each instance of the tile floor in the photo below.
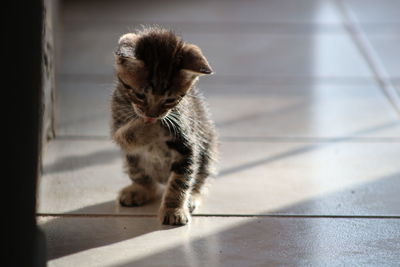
(314, 180)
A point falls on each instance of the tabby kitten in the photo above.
(160, 121)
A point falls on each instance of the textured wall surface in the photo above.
(49, 55)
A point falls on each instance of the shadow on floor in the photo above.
(79, 239)
(69, 163)
(314, 242)
(379, 198)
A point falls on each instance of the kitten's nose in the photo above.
(151, 116)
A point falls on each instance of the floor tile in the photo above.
(283, 11)
(84, 177)
(84, 108)
(192, 27)
(306, 178)
(283, 55)
(221, 242)
(267, 55)
(79, 175)
(371, 11)
(386, 47)
(308, 110)
(375, 17)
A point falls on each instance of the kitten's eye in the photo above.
(170, 100)
(140, 96)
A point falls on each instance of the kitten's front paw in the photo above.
(178, 216)
(132, 196)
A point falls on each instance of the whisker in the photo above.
(198, 126)
(164, 122)
(169, 125)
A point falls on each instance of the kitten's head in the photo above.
(156, 69)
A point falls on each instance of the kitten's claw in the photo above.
(174, 216)
(194, 202)
(192, 207)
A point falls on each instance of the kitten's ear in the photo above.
(194, 63)
(125, 53)
(126, 46)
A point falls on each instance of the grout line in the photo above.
(369, 54)
(301, 216)
(107, 215)
(270, 139)
(348, 139)
(94, 215)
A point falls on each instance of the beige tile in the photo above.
(376, 17)
(341, 178)
(221, 242)
(278, 11)
(83, 108)
(387, 49)
(91, 31)
(83, 177)
(380, 29)
(304, 110)
(284, 55)
(375, 12)
(306, 178)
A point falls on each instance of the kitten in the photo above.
(160, 121)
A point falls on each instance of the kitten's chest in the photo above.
(153, 140)
(156, 157)
(156, 160)
(157, 152)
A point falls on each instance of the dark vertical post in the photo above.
(21, 121)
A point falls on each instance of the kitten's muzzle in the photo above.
(150, 119)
